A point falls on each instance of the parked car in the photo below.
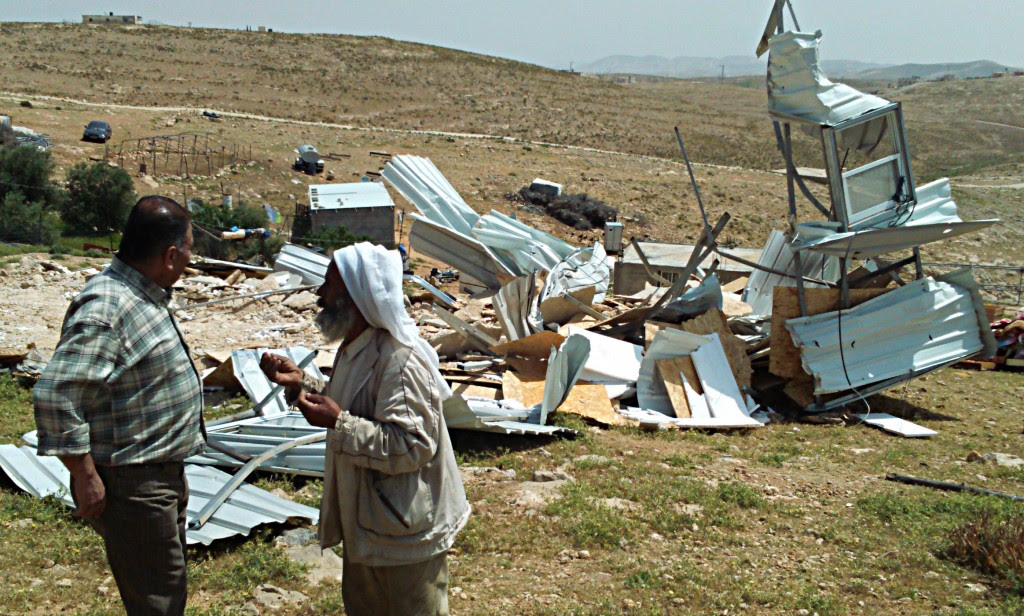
(213, 115)
(97, 130)
(308, 161)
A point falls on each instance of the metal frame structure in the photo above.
(194, 151)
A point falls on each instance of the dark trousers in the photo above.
(419, 589)
(143, 528)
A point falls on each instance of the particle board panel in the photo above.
(676, 372)
(785, 360)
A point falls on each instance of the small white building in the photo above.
(110, 18)
(363, 208)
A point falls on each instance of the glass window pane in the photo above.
(870, 187)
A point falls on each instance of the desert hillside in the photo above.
(374, 81)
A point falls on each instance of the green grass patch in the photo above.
(16, 416)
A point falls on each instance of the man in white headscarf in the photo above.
(392, 492)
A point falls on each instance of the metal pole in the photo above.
(693, 180)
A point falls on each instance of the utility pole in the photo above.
(722, 77)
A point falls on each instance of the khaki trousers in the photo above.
(143, 529)
(419, 589)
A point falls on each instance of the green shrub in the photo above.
(331, 239)
(99, 198)
(27, 170)
(218, 218)
(26, 221)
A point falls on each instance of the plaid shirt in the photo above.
(120, 384)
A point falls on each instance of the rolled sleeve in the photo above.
(402, 435)
(75, 381)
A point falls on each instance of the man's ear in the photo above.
(168, 256)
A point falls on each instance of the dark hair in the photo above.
(154, 223)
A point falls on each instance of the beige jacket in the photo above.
(392, 489)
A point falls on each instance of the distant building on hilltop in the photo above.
(110, 18)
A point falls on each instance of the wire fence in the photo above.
(1000, 282)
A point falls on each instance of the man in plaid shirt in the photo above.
(121, 405)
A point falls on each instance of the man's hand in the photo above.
(87, 488)
(90, 496)
(318, 410)
(281, 370)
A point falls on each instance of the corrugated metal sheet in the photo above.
(870, 243)
(310, 265)
(244, 510)
(245, 364)
(349, 195)
(798, 87)
(924, 324)
(777, 254)
(255, 435)
(460, 251)
(448, 230)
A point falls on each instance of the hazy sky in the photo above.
(556, 32)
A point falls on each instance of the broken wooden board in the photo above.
(536, 346)
(714, 322)
(224, 373)
(735, 286)
(472, 389)
(673, 371)
(785, 359)
(561, 309)
(733, 306)
(589, 400)
(629, 316)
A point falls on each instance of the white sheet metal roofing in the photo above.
(778, 254)
(798, 87)
(350, 195)
(254, 435)
(933, 218)
(447, 229)
(925, 324)
(309, 265)
(244, 510)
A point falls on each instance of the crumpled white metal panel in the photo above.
(798, 87)
(460, 251)
(924, 324)
(481, 247)
(245, 509)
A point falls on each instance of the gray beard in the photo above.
(335, 322)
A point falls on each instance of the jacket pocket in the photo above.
(395, 505)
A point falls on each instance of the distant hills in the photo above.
(735, 66)
(961, 70)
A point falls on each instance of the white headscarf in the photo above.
(373, 276)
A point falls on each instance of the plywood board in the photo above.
(470, 389)
(735, 286)
(528, 392)
(590, 400)
(714, 322)
(785, 357)
(537, 346)
(560, 310)
(222, 376)
(672, 372)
